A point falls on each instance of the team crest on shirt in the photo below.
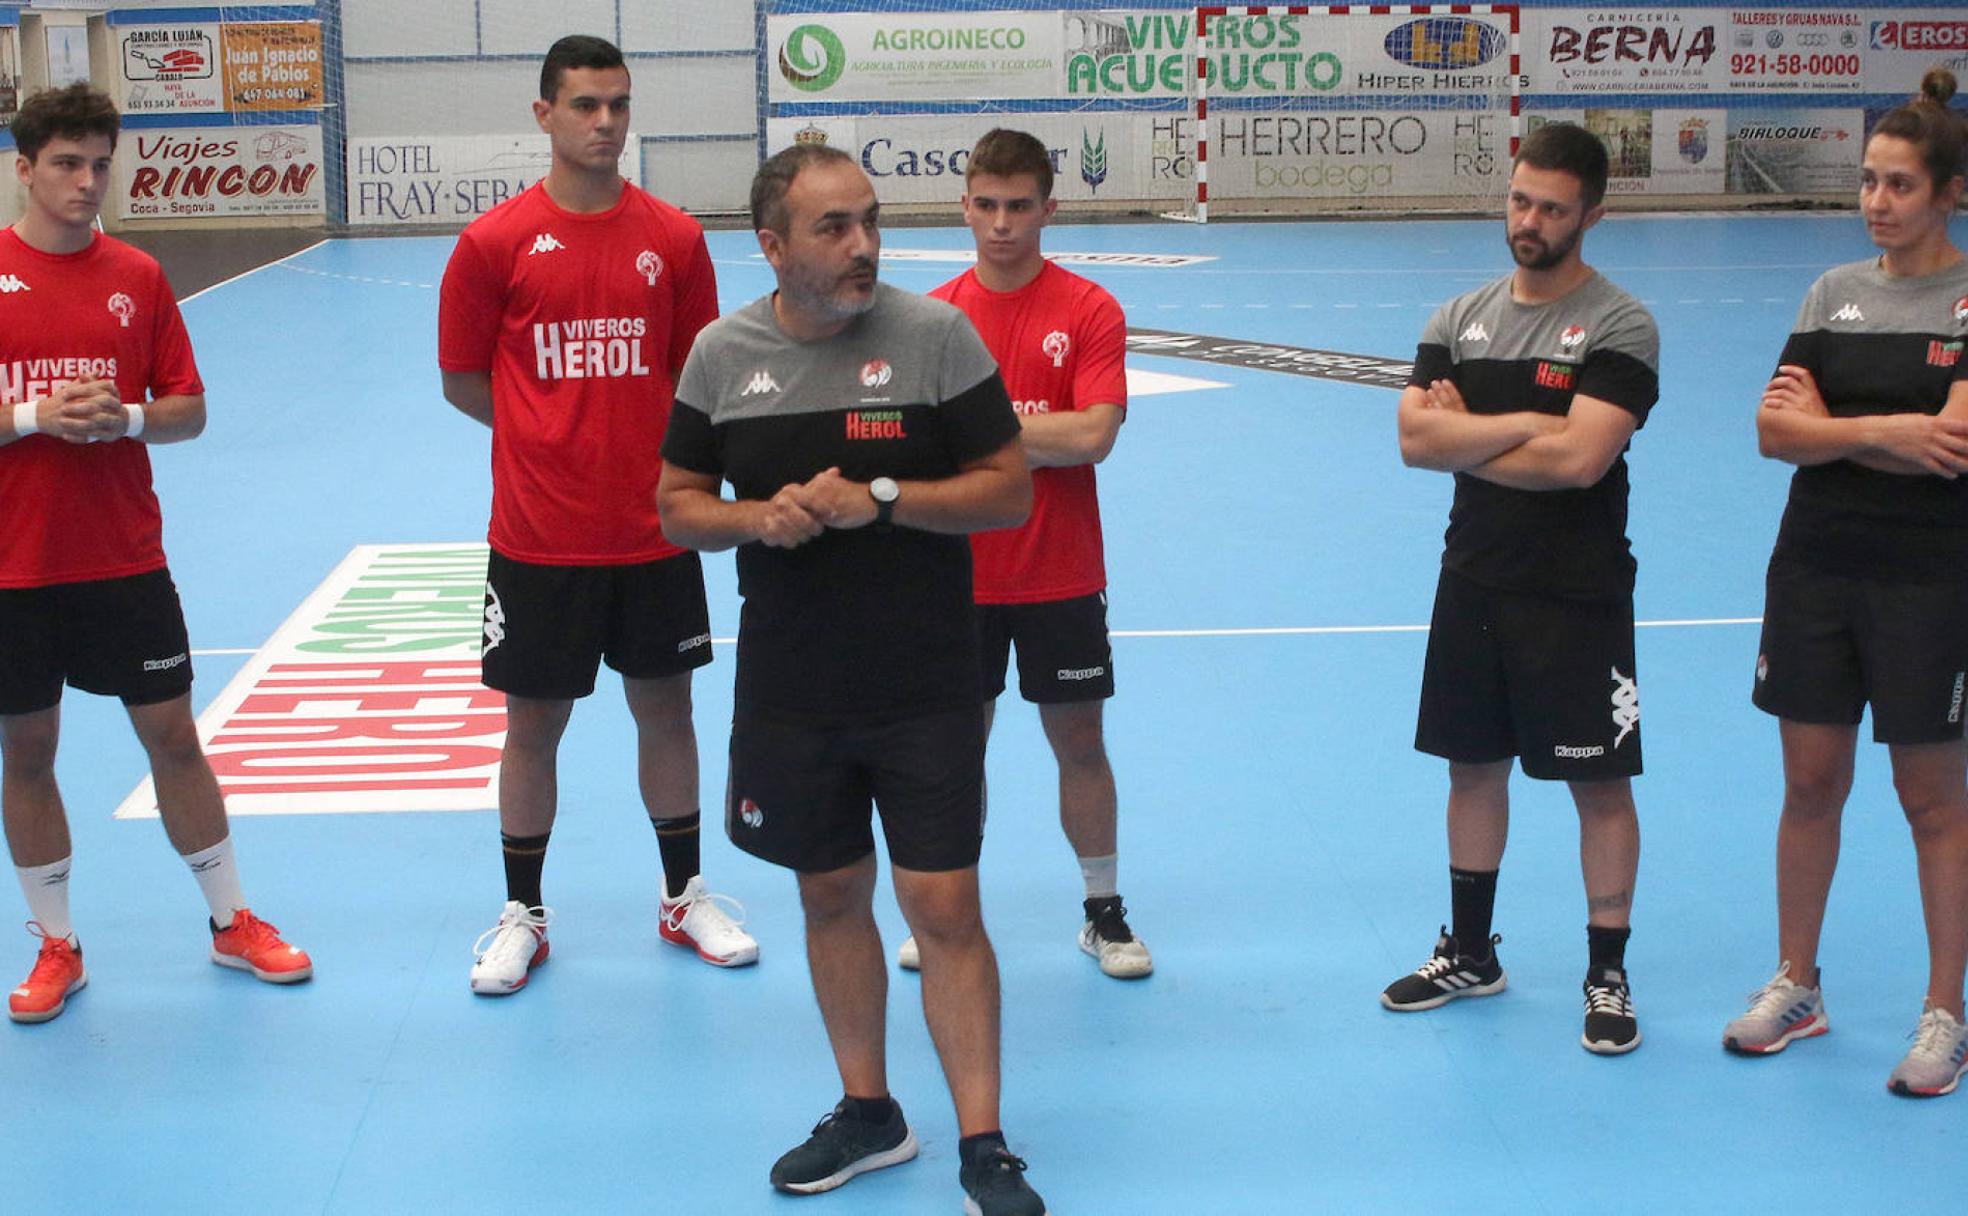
(1571, 340)
(649, 265)
(876, 373)
(1056, 346)
(122, 307)
(1961, 311)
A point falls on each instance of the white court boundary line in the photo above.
(255, 270)
(1261, 631)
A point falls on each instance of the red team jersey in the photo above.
(584, 322)
(80, 512)
(1060, 342)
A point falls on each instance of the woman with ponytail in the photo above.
(1867, 592)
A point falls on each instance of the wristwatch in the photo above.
(885, 492)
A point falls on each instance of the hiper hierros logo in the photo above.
(812, 58)
(649, 265)
(876, 373)
(122, 307)
(1056, 347)
(1093, 160)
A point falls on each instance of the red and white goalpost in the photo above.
(1412, 107)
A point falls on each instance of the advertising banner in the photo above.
(917, 159)
(1657, 151)
(1337, 156)
(273, 65)
(1621, 50)
(205, 67)
(1795, 151)
(913, 57)
(449, 179)
(1901, 44)
(1796, 50)
(9, 74)
(1118, 54)
(222, 171)
(366, 699)
(170, 69)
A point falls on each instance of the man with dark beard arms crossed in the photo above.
(1528, 390)
(864, 431)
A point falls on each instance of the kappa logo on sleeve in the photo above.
(9, 284)
(544, 243)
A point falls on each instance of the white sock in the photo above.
(46, 888)
(218, 877)
(1102, 875)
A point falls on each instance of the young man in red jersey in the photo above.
(566, 314)
(1042, 586)
(95, 365)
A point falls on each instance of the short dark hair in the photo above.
(1007, 153)
(775, 177)
(1939, 134)
(1568, 148)
(576, 51)
(74, 112)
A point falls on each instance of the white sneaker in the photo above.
(1106, 937)
(510, 949)
(696, 919)
(907, 956)
(1938, 1060)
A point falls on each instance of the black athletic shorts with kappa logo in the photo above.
(1832, 644)
(1063, 652)
(547, 628)
(118, 637)
(799, 792)
(1545, 679)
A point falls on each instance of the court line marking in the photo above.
(1257, 631)
(255, 270)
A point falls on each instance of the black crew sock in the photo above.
(972, 1149)
(869, 1110)
(1472, 902)
(525, 857)
(677, 842)
(1607, 947)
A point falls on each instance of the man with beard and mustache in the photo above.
(1528, 390)
(865, 432)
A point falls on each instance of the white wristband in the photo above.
(26, 418)
(136, 414)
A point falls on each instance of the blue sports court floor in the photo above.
(1272, 563)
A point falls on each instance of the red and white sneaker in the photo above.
(695, 919)
(509, 950)
(57, 973)
(251, 944)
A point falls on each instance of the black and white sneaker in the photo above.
(1448, 974)
(1610, 1029)
(996, 1186)
(842, 1146)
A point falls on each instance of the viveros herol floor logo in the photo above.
(812, 58)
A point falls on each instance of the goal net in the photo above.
(1297, 109)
